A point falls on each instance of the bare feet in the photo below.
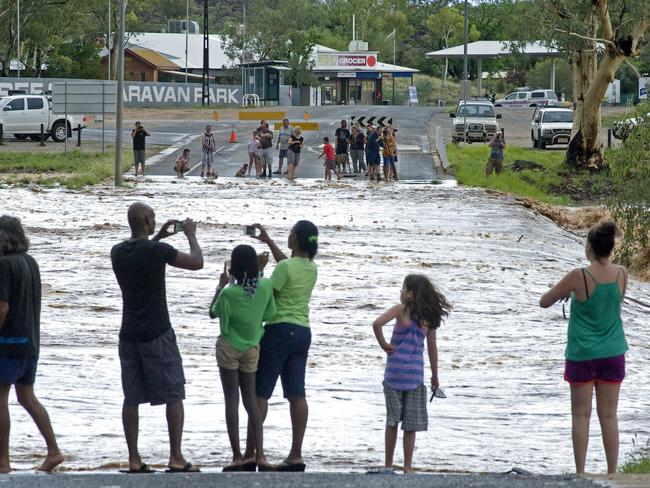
(51, 462)
(409, 470)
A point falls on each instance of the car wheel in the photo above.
(20, 137)
(59, 131)
(35, 137)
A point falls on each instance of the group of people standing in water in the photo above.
(265, 334)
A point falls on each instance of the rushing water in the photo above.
(501, 356)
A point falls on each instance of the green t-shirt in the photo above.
(241, 317)
(293, 280)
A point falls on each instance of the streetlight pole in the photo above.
(120, 88)
(394, 36)
(187, 30)
(18, 44)
(466, 88)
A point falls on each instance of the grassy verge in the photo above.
(639, 461)
(78, 169)
(469, 167)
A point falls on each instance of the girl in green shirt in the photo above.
(242, 302)
(596, 345)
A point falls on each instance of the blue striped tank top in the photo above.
(405, 366)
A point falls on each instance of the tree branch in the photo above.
(638, 33)
(580, 36)
(603, 14)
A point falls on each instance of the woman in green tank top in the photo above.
(596, 345)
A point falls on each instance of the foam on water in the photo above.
(501, 356)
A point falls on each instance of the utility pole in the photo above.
(18, 45)
(394, 36)
(205, 90)
(465, 83)
(120, 88)
(109, 43)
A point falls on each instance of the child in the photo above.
(330, 162)
(252, 153)
(242, 302)
(417, 317)
(183, 163)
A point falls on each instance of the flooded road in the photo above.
(501, 356)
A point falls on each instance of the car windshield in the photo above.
(476, 111)
(558, 117)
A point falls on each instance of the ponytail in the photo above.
(306, 237)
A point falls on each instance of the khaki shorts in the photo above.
(495, 165)
(342, 158)
(230, 358)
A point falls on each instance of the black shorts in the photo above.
(152, 372)
(283, 352)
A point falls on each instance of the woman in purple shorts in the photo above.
(596, 345)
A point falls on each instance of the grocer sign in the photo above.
(350, 60)
(139, 94)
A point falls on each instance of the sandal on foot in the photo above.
(188, 468)
(144, 469)
(250, 466)
(291, 467)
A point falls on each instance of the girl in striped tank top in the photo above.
(417, 317)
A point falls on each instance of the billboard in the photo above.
(138, 94)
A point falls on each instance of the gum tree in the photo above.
(598, 36)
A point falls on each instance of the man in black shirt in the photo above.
(138, 135)
(20, 331)
(152, 369)
(342, 136)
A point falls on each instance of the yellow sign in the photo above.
(302, 125)
(261, 115)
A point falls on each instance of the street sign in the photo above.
(87, 98)
(413, 95)
(376, 120)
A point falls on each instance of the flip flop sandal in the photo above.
(291, 468)
(250, 466)
(267, 469)
(144, 469)
(233, 469)
(185, 469)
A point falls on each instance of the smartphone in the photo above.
(226, 267)
(178, 226)
(250, 230)
(437, 393)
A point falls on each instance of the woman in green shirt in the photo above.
(242, 302)
(596, 345)
(287, 337)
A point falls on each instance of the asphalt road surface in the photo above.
(310, 480)
(412, 123)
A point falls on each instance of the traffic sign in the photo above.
(376, 120)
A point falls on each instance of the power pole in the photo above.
(120, 88)
(205, 92)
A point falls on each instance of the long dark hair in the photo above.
(12, 236)
(306, 237)
(602, 238)
(243, 268)
(428, 305)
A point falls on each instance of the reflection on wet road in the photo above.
(500, 354)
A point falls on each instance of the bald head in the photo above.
(142, 218)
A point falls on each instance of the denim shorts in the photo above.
(19, 370)
(606, 370)
(152, 372)
(283, 352)
(283, 153)
(389, 160)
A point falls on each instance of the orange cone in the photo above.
(233, 135)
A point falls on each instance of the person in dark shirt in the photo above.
(20, 311)
(152, 369)
(342, 136)
(138, 134)
(373, 147)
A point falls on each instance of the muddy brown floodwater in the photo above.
(501, 356)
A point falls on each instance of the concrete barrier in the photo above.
(302, 124)
(261, 115)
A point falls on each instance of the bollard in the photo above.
(42, 135)
(503, 132)
(2, 142)
(78, 135)
(609, 137)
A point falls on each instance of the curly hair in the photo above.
(428, 306)
(12, 236)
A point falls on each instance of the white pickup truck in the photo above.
(22, 116)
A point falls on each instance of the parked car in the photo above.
(532, 98)
(550, 126)
(623, 128)
(481, 121)
(22, 116)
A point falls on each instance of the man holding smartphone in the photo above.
(152, 369)
(138, 134)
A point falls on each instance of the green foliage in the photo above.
(539, 76)
(630, 169)
(469, 161)
(638, 461)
